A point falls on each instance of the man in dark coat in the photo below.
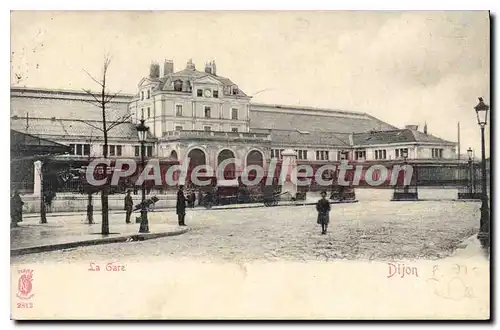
(323, 208)
(129, 205)
(180, 206)
(16, 209)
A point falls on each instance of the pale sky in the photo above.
(402, 67)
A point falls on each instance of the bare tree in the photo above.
(102, 100)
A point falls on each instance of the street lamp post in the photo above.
(482, 119)
(471, 173)
(142, 131)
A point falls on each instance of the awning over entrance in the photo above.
(22, 145)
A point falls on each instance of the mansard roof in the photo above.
(165, 83)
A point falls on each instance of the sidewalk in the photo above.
(70, 232)
(67, 230)
(197, 208)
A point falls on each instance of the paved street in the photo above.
(368, 230)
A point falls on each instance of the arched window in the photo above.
(255, 157)
(230, 169)
(196, 157)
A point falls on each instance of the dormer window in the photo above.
(215, 94)
(199, 92)
(360, 155)
(178, 85)
(235, 90)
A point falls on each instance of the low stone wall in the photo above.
(78, 203)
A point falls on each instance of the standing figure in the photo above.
(129, 204)
(189, 201)
(192, 198)
(16, 209)
(200, 197)
(90, 214)
(323, 208)
(180, 206)
(49, 197)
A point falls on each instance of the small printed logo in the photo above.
(25, 284)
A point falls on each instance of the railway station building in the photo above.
(200, 114)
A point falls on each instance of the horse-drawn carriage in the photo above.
(233, 191)
(222, 192)
(271, 195)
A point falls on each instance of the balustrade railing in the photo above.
(216, 134)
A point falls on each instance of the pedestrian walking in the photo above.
(16, 209)
(323, 208)
(180, 206)
(129, 204)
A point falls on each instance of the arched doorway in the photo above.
(196, 157)
(173, 155)
(255, 157)
(230, 169)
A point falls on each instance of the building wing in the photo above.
(312, 120)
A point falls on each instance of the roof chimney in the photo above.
(214, 68)
(425, 128)
(154, 70)
(208, 67)
(190, 65)
(168, 67)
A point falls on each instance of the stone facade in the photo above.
(191, 110)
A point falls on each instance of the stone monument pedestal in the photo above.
(37, 178)
(288, 176)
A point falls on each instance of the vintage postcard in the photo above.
(250, 165)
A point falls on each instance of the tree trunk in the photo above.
(104, 193)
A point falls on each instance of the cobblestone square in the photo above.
(361, 231)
